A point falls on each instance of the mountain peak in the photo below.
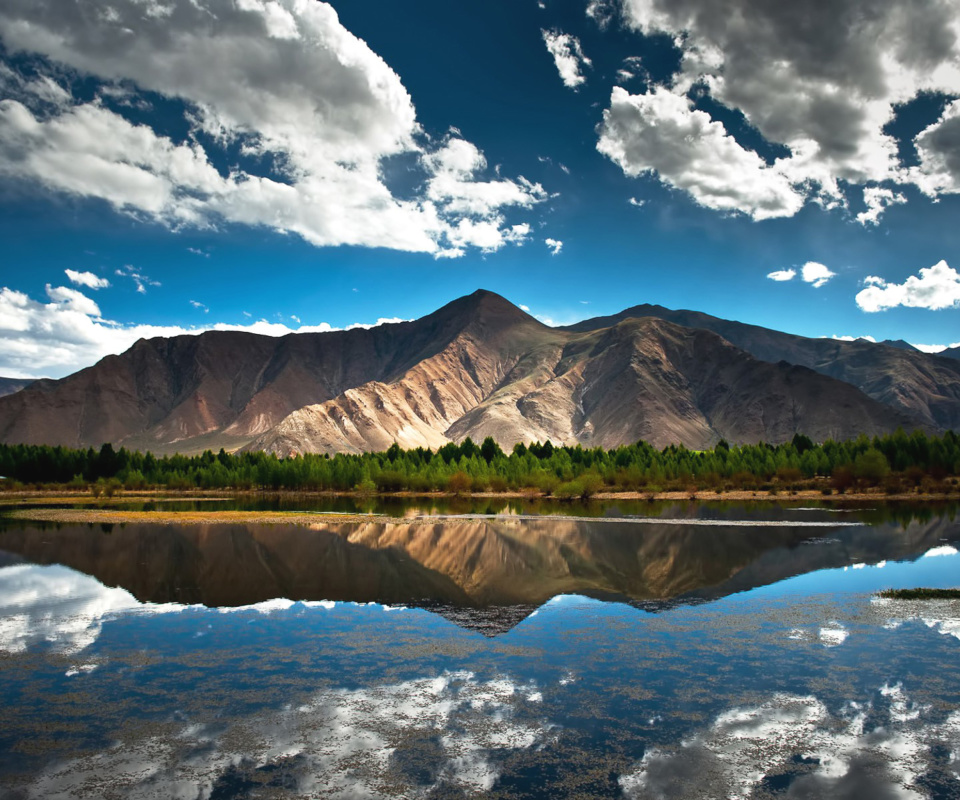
(486, 307)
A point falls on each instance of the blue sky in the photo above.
(290, 163)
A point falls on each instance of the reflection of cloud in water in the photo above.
(943, 550)
(942, 616)
(833, 634)
(796, 741)
(55, 605)
(407, 739)
(66, 609)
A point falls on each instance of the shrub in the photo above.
(459, 482)
(871, 466)
(590, 484)
(569, 490)
(498, 484)
(842, 479)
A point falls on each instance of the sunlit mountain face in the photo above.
(724, 651)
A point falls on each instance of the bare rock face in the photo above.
(482, 367)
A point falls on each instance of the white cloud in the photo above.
(72, 300)
(198, 305)
(283, 79)
(567, 56)
(935, 348)
(936, 287)
(555, 245)
(87, 279)
(454, 188)
(661, 133)
(782, 275)
(637, 203)
(524, 308)
(822, 81)
(816, 274)
(59, 337)
(853, 338)
(602, 12)
(938, 147)
(140, 280)
(878, 200)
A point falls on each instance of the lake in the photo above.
(484, 649)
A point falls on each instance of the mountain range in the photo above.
(480, 366)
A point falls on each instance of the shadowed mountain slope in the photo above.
(924, 386)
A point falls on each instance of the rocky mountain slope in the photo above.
(481, 367)
(924, 386)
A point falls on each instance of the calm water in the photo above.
(690, 651)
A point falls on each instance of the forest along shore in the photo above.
(897, 465)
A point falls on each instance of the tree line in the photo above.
(897, 462)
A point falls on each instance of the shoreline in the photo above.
(93, 510)
(10, 498)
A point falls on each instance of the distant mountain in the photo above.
(950, 352)
(11, 385)
(899, 343)
(925, 387)
(481, 367)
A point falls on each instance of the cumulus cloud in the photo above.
(936, 287)
(87, 279)
(816, 274)
(57, 338)
(821, 80)
(782, 275)
(938, 147)
(555, 245)
(935, 348)
(878, 200)
(567, 56)
(313, 110)
(455, 189)
(661, 133)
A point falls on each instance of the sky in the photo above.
(171, 166)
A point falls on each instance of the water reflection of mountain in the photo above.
(469, 570)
